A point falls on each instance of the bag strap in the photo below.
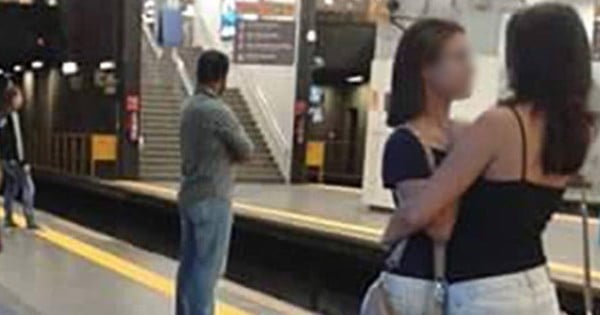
(439, 248)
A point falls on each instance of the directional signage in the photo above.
(268, 42)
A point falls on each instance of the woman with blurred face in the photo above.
(510, 170)
(431, 70)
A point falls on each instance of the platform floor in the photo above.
(339, 211)
(65, 269)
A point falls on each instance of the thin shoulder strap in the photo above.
(523, 142)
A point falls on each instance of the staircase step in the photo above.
(162, 97)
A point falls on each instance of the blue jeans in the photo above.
(18, 180)
(205, 233)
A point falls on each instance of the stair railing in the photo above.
(259, 106)
(182, 74)
(158, 52)
(261, 111)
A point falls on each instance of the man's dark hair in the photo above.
(212, 66)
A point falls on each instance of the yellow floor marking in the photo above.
(374, 232)
(118, 265)
(571, 270)
(288, 214)
(349, 190)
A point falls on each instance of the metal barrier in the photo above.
(67, 153)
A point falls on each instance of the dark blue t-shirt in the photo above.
(405, 159)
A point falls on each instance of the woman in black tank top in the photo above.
(511, 168)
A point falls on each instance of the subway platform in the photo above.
(312, 246)
(66, 269)
(339, 211)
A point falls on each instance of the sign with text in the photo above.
(281, 9)
(266, 42)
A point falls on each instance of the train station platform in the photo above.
(66, 269)
(311, 245)
(338, 212)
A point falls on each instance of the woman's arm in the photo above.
(441, 228)
(467, 161)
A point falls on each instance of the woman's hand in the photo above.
(441, 228)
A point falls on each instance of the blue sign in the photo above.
(170, 31)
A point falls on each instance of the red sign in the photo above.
(132, 103)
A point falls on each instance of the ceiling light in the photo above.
(18, 68)
(355, 79)
(69, 67)
(107, 65)
(38, 64)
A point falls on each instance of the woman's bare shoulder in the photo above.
(496, 118)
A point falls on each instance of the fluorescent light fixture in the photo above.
(69, 67)
(329, 2)
(37, 64)
(355, 79)
(18, 68)
(311, 36)
(107, 65)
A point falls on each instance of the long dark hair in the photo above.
(549, 63)
(420, 46)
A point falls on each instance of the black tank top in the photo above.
(500, 224)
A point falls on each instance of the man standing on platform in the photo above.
(212, 140)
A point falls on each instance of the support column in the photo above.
(129, 94)
(306, 49)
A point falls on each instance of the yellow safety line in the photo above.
(571, 270)
(118, 265)
(280, 213)
(309, 219)
(373, 232)
(348, 190)
(554, 267)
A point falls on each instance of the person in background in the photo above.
(432, 69)
(15, 167)
(212, 140)
(510, 170)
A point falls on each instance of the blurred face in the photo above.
(451, 75)
(17, 101)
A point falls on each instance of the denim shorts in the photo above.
(529, 292)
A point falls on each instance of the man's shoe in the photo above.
(33, 226)
(9, 223)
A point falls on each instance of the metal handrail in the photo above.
(182, 72)
(158, 52)
(175, 57)
(275, 139)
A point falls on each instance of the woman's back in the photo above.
(504, 213)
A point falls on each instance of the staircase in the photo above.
(162, 96)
